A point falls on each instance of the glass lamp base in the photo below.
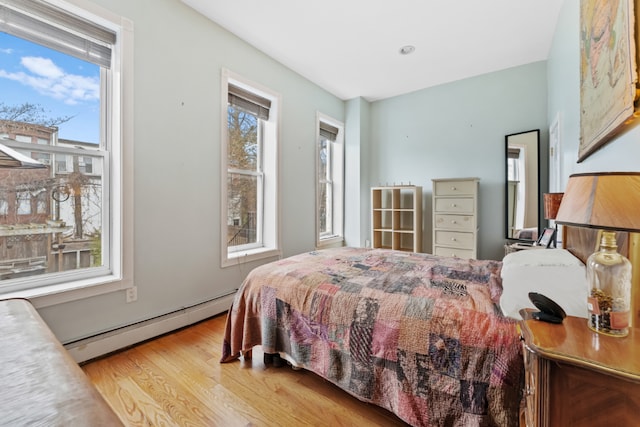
(596, 326)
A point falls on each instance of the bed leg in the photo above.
(274, 359)
(247, 355)
(278, 361)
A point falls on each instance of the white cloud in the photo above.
(8, 51)
(42, 66)
(50, 80)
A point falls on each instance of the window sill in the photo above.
(45, 296)
(242, 257)
(330, 242)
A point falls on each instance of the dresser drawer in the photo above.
(454, 252)
(454, 188)
(455, 222)
(456, 239)
(454, 205)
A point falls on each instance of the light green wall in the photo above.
(177, 113)
(623, 152)
(458, 130)
(357, 140)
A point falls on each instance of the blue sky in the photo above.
(61, 84)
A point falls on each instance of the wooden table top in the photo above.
(572, 341)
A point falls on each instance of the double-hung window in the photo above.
(249, 154)
(330, 181)
(63, 177)
(517, 185)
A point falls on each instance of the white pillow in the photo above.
(554, 273)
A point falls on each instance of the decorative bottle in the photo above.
(609, 281)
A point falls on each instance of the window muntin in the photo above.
(71, 211)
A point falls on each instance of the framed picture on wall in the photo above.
(607, 71)
(546, 237)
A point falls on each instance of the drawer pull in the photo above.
(453, 205)
(453, 239)
(453, 188)
(454, 222)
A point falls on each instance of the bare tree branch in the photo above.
(30, 113)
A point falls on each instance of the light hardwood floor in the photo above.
(177, 380)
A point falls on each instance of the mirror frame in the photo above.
(522, 137)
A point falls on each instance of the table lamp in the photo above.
(608, 201)
(551, 206)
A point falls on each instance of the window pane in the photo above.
(41, 203)
(242, 193)
(323, 157)
(512, 169)
(325, 212)
(57, 86)
(52, 220)
(23, 202)
(51, 217)
(243, 140)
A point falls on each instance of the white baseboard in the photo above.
(108, 342)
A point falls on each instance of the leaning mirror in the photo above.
(522, 185)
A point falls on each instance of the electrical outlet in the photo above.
(132, 294)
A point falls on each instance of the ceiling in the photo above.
(351, 47)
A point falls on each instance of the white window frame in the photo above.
(117, 129)
(269, 223)
(336, 170)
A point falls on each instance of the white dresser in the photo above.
(455, 217)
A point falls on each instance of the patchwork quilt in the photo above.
(417, 334)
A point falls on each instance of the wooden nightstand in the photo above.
(576, 377)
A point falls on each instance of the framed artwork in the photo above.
(607, 71)
(546, 237)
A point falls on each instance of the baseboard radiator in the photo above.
(110, 341)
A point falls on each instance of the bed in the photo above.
(420, 335)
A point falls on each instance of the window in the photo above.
(249, 193)
(85, 165)
(513, 163)
(517, 182)
(42, 200)
(67, 207)
(330, 181)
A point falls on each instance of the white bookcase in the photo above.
(396, 218)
